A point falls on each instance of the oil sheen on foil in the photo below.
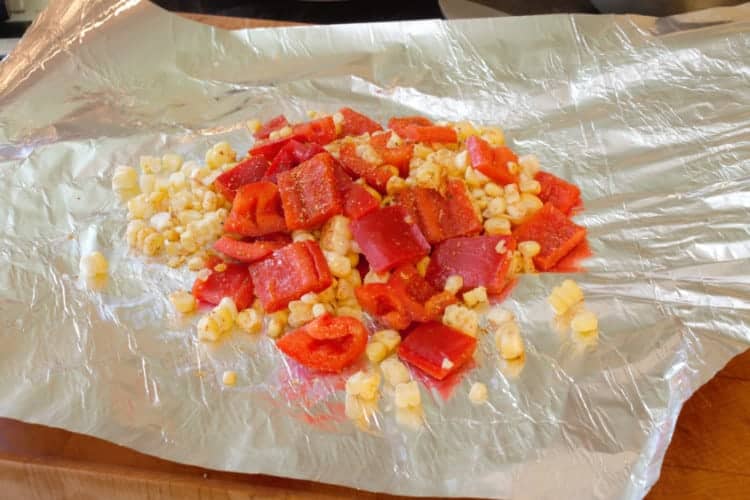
(650, 117)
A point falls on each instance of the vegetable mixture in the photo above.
(326, 223)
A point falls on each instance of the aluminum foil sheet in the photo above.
(649, 116)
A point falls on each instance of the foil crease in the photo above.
(649, 116)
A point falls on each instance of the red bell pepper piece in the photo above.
(441, 217)
(474, 258)
(357, 124)
(376, 175)
(272, 125)
(292, 154)
(431, 133)
(211, 261)
(389, 237)
(435, 305)
(289, 273)
(396, 124)
(245, 251)
(555, 233)
(413, 291)
(428, 345)
(492, 162)
(328, 344)
(320, 131)
(399, 156)
(310, 193)
(249, 170)
(233, 282)
(562, 194)
(256, 210)
(269, 148)
(359, 202)
(380, 301)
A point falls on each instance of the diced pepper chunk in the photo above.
(441, 217)
(234, 282)
(375, 175)
(555, 233)
(429, 345)
(380, 301)
(412, 289)
(272, 125)
(289, 273)
(268, 148)
(247, 171)
(430, 133)
(292, 154)
(398, 156)
(400, 123)
(562, 194)
(359, 202)
(245, 251)
(389, 237)
(256, 210)
(492, 162)
(309, 193)
(328, 344)
(320, 131)
(357, 124)
(474, 258)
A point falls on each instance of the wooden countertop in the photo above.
(708, 456)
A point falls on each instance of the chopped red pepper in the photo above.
(328, 344)
(211, 261)
(399, 156)
(376, 175)
(389, 237)
(269, 148)
(321, 131)
(492, 162)
(441, 217)
(292, 154)
(256, 210)
(272, 125)
(289, 273)
(379, 300)
(233, 282)
(245, 251)
(429, 345)
(357, 124)
(396, 124)
(431, 133)
(247, 171)
(555, 233)
(309, 193)
(358, 202)
(473, 258)
(412, 290)
(560, 193)
(435, 305)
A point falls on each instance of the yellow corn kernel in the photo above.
(336, 235)
(529, 165)
(395, 185)
(495, 207)
(475, 296)
(462, 319)
(493, 190)
(253, 125)
(94, 264)
(407, 395)
(497, 226)
(373, 277)
(389, 338)
(529, 248)
(125, 179)
(454, 284)
(150, 164)
(249, 321)
(497, 316)
(300, 235)
(364, 385)
(584, 322)
(422, 265)
(229, 377)
(153, 244)
(376, 352)
(475, 178)
(183, 301)
(500, 247)
(208, 330)
(394, 371)
(131, 233)
(531, 203)
(318, 310)
(478, 393)
(508, 341)
(421, 151)
(139, 207)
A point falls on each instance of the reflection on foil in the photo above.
(648, 117)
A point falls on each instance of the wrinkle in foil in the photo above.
(648, 116)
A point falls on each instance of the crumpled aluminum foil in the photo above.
(648, 116)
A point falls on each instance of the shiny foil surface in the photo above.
(650, 117)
